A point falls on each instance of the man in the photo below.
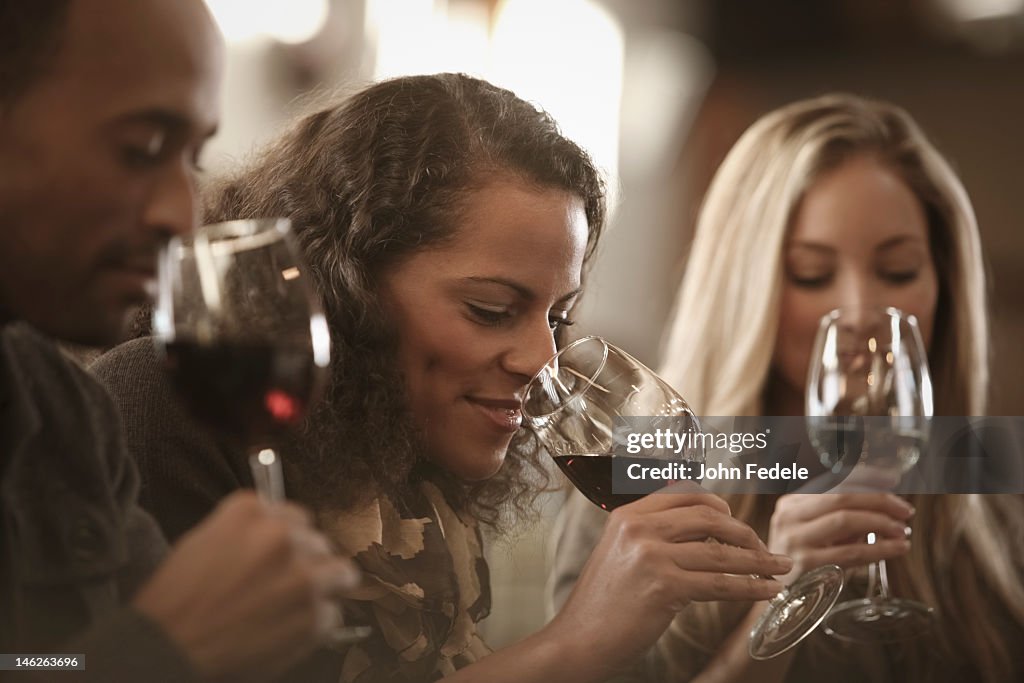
(104, 108)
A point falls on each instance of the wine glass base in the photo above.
(878, 620)
(795, 612)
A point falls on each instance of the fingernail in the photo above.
(907, 532)
(784, 559)
(903, 504)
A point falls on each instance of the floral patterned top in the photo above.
(426, 586)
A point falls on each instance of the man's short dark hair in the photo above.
(30, 33)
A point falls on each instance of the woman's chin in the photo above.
(479, 465)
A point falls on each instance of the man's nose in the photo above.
(172, 207)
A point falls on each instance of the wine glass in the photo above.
(578, 404)
(244, 340)
(869, 405)
(240, 330)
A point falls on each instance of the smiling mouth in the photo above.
(503, 415)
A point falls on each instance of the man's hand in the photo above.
(250, 591)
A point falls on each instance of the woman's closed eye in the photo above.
(810, 280)
(899, 277)
(559, 319)
(491, 316)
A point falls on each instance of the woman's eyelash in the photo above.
(488, 316)
(811, 282)
(556, 321)
(902, 277)
(493, 318)
(897, 278)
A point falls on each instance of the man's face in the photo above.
(97, 159)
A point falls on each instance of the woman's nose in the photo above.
(531, 350)
(862, 304)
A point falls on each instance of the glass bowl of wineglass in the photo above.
(869, 406)
(240, 330)
(580, 404)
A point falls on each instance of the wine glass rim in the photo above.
(536, 379)
(228, 237)
(897, 317)
(890, 311)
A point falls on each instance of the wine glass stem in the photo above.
(779, 598)
(878, 577)
(267, 475)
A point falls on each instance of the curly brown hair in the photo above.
(367, 182)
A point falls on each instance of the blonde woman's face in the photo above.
(859, 237)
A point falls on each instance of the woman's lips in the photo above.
(504, 415)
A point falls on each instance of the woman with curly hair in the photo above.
(447, 225)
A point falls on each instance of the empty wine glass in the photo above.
(574, 405)
(869, 404)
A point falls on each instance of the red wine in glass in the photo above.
(591, 474)
(254, 393)
(240, 329)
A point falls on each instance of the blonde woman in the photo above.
(828, 202)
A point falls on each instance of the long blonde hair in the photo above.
(719, 351)
(728, 303)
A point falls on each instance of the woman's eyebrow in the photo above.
(571, 295)
(897, 241)
(519, 288)
(812, 246)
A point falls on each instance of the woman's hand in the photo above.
(651, 562)
(819, 529)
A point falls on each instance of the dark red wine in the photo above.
(251, 392)
(592, 476)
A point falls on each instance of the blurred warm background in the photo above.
(657, 91)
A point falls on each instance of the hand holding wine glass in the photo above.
(653, 559)
(818, 529)
(575, 405)
(869, 403)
